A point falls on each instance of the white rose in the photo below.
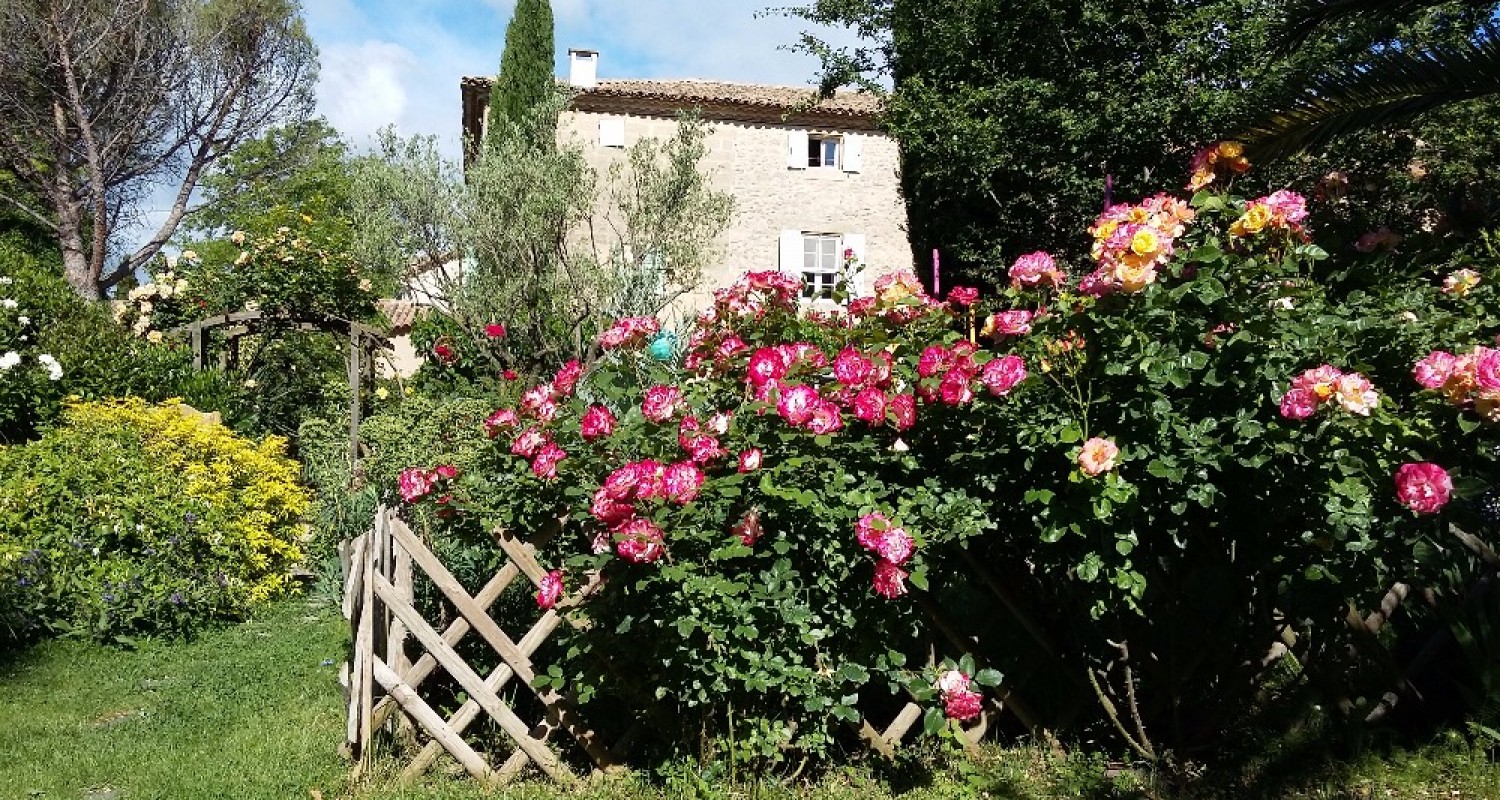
(9, 303)
(54, 369)
(9, 360)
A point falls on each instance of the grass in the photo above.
(254, 711)
(251, 711)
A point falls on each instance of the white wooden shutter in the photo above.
(856, 242)
(854, 160)
(790, 248)
(612, 132)
(796, 149)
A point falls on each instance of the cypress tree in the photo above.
(526, 71)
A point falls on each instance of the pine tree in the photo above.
(526, 71)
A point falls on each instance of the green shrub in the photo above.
(65, 346)
(130, 518)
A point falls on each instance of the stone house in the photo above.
(808, 181)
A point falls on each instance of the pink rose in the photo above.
(851, 368)
(1098, 456)
(494, 330)
(639, 541)
(416, 483)
(502, 420)
(681, 482)
(869, 406)
(629, 331)
(547, 459)
(566, 378)
(1003, 374)
(963, 705)
(1319, 381)
(869, 528)
(1298, 404)
(825, 418)
(895, 546)
(904, 409)
(719, 422)
(933, 360)
(446, 471)
(951, 682)
(550, 590)
(1434, 370)
(750, 460)
(963, 296)
(1012, 323)
(661, 402)
(955, 389)
(1423, 487)
(1487, 370)
(766, 365)
(597, 423)
(1098, 283)
(610, 511)
(528, 443)
(1035, 269)
(889, 580)
(797, 403)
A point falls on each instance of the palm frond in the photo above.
(1303, 18)
(1393, 85)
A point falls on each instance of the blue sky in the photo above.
(399, 61)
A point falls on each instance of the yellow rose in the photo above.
(1254, 221)
(1145, 242)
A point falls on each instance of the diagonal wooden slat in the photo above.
(478, 618)
(497, 679)
(431, 722)
(540, 754)
(453, 634)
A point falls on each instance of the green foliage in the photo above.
(93, 356)
(526, 71)
(184, 523)
(1221, 523)
(504, 242)
(1018, 121)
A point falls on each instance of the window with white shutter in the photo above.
(796, 149)
(612, 132)
(853, 153)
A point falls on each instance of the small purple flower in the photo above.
(176, 599)
(24, 582)
(109, 597)
(189, 517)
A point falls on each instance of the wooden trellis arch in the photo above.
(364, 342)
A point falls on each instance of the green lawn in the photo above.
(249, 711)
(253, 711)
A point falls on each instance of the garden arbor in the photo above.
(364, 342)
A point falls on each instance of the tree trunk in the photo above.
(77, 267)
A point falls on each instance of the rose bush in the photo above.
(1211, 442)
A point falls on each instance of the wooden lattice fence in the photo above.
(382, 681)
(386, 686)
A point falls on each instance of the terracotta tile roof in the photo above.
(843, 103)
(400, 313)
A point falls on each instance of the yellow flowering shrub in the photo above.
(136, 518)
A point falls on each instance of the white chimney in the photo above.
(583, 68)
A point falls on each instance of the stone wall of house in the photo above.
(750, 161)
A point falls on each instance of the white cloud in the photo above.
(364, 87)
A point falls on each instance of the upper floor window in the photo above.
(828, 153)
(823, 151)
